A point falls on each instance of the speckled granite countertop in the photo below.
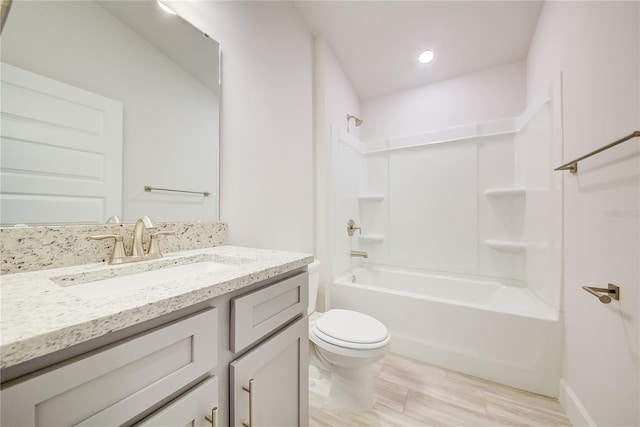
(39, 316)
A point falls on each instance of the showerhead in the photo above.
(605, 299)
(356, 119)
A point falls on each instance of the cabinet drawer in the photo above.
(257, 314)
(110, 387)
(189, 409)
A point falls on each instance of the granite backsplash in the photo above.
(38, 248)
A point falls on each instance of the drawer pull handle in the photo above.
(213, 418)
(250, 391)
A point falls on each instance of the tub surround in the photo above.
(40, 317)
(43, 247)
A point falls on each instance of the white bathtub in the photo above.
(481, 327)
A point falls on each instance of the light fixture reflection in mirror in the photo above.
(5, 6)
(166, 8)
(133, 53)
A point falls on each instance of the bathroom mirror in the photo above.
(163, 72)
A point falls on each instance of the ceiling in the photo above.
(169, 34)
(378, 42)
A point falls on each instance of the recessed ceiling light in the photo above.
(426, 57)
(165, 8)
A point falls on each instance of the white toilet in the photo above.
(346, 343)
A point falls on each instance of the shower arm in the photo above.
(356, 119)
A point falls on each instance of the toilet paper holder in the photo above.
(604, 294)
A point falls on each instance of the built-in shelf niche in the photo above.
(371, 238)
(505, 192)
(508, 193)
(373, 197)
(506, 245)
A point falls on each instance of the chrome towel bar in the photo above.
(613, 291)
(572, 166)
(149, 188)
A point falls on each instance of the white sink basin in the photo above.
(128, 278)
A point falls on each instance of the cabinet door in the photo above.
(190, 409)
(111, 386)
(270, 384)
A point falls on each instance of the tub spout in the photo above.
(362, 254)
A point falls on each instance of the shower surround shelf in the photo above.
(371, 197)
(505, 192)
(506, 245)
(371, 238)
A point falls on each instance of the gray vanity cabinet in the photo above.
(114, 386)
(190, 371)
(269, 384)
(197, 408)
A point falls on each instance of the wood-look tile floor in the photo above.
(411, 393)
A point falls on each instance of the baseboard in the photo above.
(540, 379)
(573, 407)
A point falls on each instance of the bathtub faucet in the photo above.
(362, 254)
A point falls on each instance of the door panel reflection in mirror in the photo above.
(170, 96)
(61, 151)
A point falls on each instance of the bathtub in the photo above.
(487, 328)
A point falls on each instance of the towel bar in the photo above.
(149, 188)
(613, 291)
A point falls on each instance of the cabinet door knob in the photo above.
(213, 418)
(250, 391)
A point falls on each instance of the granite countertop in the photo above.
(40, 316)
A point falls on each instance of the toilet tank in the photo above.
(314, 280)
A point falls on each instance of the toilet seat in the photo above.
(351, 329)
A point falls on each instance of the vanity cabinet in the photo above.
(256, 314)
(114, 386)
(197, 408)
(269, 383)
(241, 357)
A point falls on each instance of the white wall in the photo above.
(486, 95)
(596, 45)
(266, 167)
(338, 168)
(170, 130)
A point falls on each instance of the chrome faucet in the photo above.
(137, 250)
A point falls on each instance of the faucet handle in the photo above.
(351, 228)
(154, 246)
(118, 253)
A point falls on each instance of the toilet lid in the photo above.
(351, 326)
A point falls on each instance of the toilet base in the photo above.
(352, 388)
(319, 381)
(348, 388)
